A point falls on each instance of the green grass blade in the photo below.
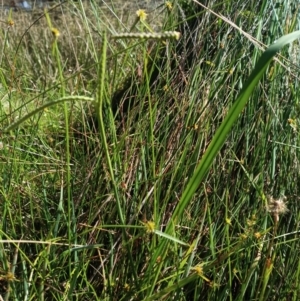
(45, 106)
(171, 238)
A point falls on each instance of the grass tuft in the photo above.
(152, 154)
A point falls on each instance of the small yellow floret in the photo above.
(251, 222)
(257, 235)
(141, 13)
(10, 22)
(169, 5)
(150, 226)
(10, 277)
(198, 269)
(228, 221)
(293, 124)
(55, 32)
(243, 236)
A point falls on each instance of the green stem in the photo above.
(102, 132)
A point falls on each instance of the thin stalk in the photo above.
(151, 132)
(71, 214)
(102, 133)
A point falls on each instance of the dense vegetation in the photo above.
(116, 184)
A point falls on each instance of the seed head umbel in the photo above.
(277, 206)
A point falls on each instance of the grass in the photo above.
(150, 168)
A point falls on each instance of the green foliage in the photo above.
(135, 166)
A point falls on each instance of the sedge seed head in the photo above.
(243, 236)
(10, 22)
(150, 226)
(169, 5)
(141, 13)
(257, 235)
(277, 206)
(228, 221)
(199, 269)
(251, 222)
(55, 32)
(293, 124)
